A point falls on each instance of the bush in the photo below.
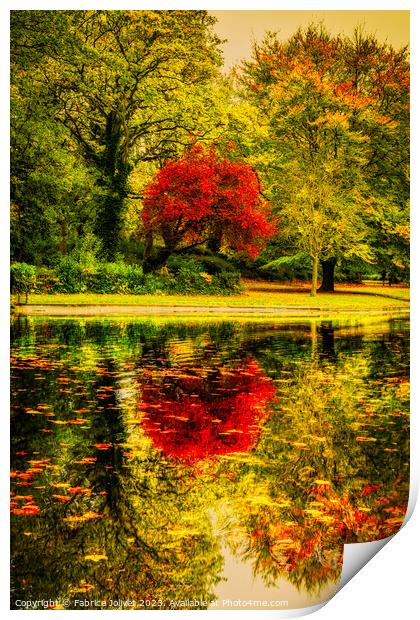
(117, 278)
(228, 282)
(215, 264)
(22, 278)
(71, 276)
(183, 276)
(177, 263)
(74, 277)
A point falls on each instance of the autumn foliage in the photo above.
(204, 198)
(191, 417)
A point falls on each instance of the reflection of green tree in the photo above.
(140, 513)
(155, 539)
(330, 472)
(309, 485)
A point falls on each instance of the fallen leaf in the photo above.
(95, 557)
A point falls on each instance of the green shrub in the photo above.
(102, 278)
(116, 278)
(46, 280)
(183, 276)
(228, 283)
(71, 276)
(178, 263)
(214, 264)
(22, 278)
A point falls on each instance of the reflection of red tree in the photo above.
(192, 417)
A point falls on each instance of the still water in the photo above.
(191, 462)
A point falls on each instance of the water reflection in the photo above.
(146, 455)
(206, 411)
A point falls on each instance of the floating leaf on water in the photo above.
(76, 490)
(103, 446)
(83, 587)
(394, 521)
(78, 421)
(95, 557)
(326, 519)
(88, 516)
(313, 512)
(28, 510)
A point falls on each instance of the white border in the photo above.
(387, 586)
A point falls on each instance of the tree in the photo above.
(203, 198)
(53, 190)
(114, 79)
(325, 117)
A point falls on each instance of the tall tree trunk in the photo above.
(63, 238)
(328, 265)
(314, 283)
(148, 245)
(215, 242)
(116, 170)
(159, 259)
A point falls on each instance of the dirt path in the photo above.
(74, 310)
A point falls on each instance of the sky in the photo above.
(242, 27)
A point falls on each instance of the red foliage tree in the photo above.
(190, 417)
(204, 198)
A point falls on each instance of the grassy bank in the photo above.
(257, 294)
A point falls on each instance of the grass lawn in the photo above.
(257, 294)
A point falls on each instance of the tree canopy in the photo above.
(336, 109)
(203, 198)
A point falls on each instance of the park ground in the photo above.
(256, 296)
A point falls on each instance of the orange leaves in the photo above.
(78, 421)
(28, 508)
(25, 478)
(83, 518)
(87, 460)
(370, 488)
(83, 587)
(71, 421)
(395, 521)
(23, 475)
(79, 490)
(103, 446)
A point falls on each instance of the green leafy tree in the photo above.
(115, 78)
(53, 190)
(328, 138)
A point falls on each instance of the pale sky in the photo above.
(242, 27)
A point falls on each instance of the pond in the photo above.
(202, 464)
